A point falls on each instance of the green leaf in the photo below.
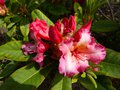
(11, 31)
(24, 27)
(75, 78)
(78, 8)
(9, 68)
(105, 26)
(12, 51)
(57, 9)
(61, 83)
(103, 83)
(38, 14)
(92, 74)
(92, 80)
(112, 57)
(108, 69)
(83, 75)
(1, 23)
(111, 65)
(26, 78)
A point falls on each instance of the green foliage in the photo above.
(12, 51)
(38, 14)
(105, 26)
(9, 68)
(61, 83)
(103, 83)
(25, 78)
(24, 27)
(110, 66)
(19, 73)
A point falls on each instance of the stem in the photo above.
(104, 14)
(113, 18)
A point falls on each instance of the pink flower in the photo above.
(64, 28)
(77, 49)
(69, 25)
(3, 8)
(29, 48)
(39, 29)
(55, 35)
(2, 2)
(41, 48)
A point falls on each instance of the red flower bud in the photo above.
(55, 35)
(72, 23)
(2, 2)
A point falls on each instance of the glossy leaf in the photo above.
(11, 31)
(75, 78)
(61, 83)
(57, 9)
(112, 57)
(12, 51)
(26, 78)
(24, 27)
(103, 83)
(111, 65)
(78, 8)
(38, 14)
(105, 26)
(109, 69)
(9, 68)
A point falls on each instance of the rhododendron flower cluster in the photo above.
(73, 49)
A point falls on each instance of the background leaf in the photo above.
(105, 26)
(111, 65)
(103, 83)
(38, 14)
(12, 51)
(61, 83)
(26, 78)
(24, 27)
(9, 68)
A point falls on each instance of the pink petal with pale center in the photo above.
(97, 53)
(67, 65)
(71, 63)
(83, 34)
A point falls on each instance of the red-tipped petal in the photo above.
(58, 25)
(54, 35)
(85, 29)
(72, 23)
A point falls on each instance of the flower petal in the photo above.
(55, 35)
(29, 48)
(40, 27)
(39, 58)
(72, 23)
(83, 34)
(67, 65)
(97, 53)
(72, 63)
(42, 46)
